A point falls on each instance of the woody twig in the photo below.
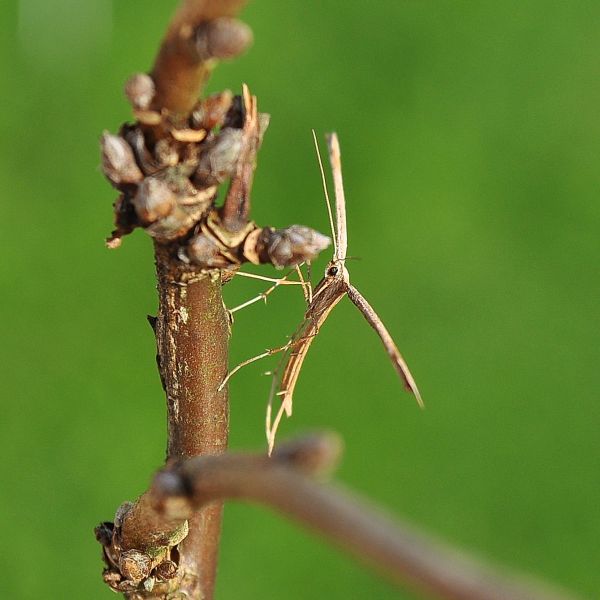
(201, 33)
(167, 167)
(294, 482)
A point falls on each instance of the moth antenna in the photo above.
(324, 180)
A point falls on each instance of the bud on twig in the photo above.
(153, 200)
(135, 565)
(165, 153)
(140, 91)
(211, 111)
(222, 38)
(290, 246)
(118, 161)
(236, 207)
(104, 533)
(263, 124)
(219, 160)
(135, 138)
(166, 570)
(204, 251)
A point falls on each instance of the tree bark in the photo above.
(192, 333)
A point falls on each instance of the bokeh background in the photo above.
(470, 135)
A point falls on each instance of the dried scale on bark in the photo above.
(168, 166)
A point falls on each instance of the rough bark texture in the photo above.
(192, 333)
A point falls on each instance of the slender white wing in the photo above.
(340, 199)
(327, 294)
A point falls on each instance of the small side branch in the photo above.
(287, 483)
(200, 33)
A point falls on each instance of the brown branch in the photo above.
(286, 482)
(148, 554)
(192, 333)
(200, 32)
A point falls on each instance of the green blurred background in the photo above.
(470, 135)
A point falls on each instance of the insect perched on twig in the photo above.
(329, 291)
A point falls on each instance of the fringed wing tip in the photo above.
(415, 390)
(409, 381)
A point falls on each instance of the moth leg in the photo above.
(306, 285)
(249, 361)
(276, 283)
(264, 278)
(272, 425)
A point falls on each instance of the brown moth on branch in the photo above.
(329, 291)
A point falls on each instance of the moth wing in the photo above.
(325, 297)
(376, 323)
(286, 375)
(333, 145)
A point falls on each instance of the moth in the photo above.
(334, 285)
(329, 291)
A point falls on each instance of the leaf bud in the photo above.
(118, 161)
(140, 91)
(222, 38)
(135, 565)
(154, 200)
(218, 161)
(290, 246)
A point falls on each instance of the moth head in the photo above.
(336, 269)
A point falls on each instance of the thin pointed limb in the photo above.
(272, 425)
(269, 412)
(295, 353)
(309, 278)
(263, 278)
(277, 282)
(249, 361)
(377, 324)
(306, 285)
